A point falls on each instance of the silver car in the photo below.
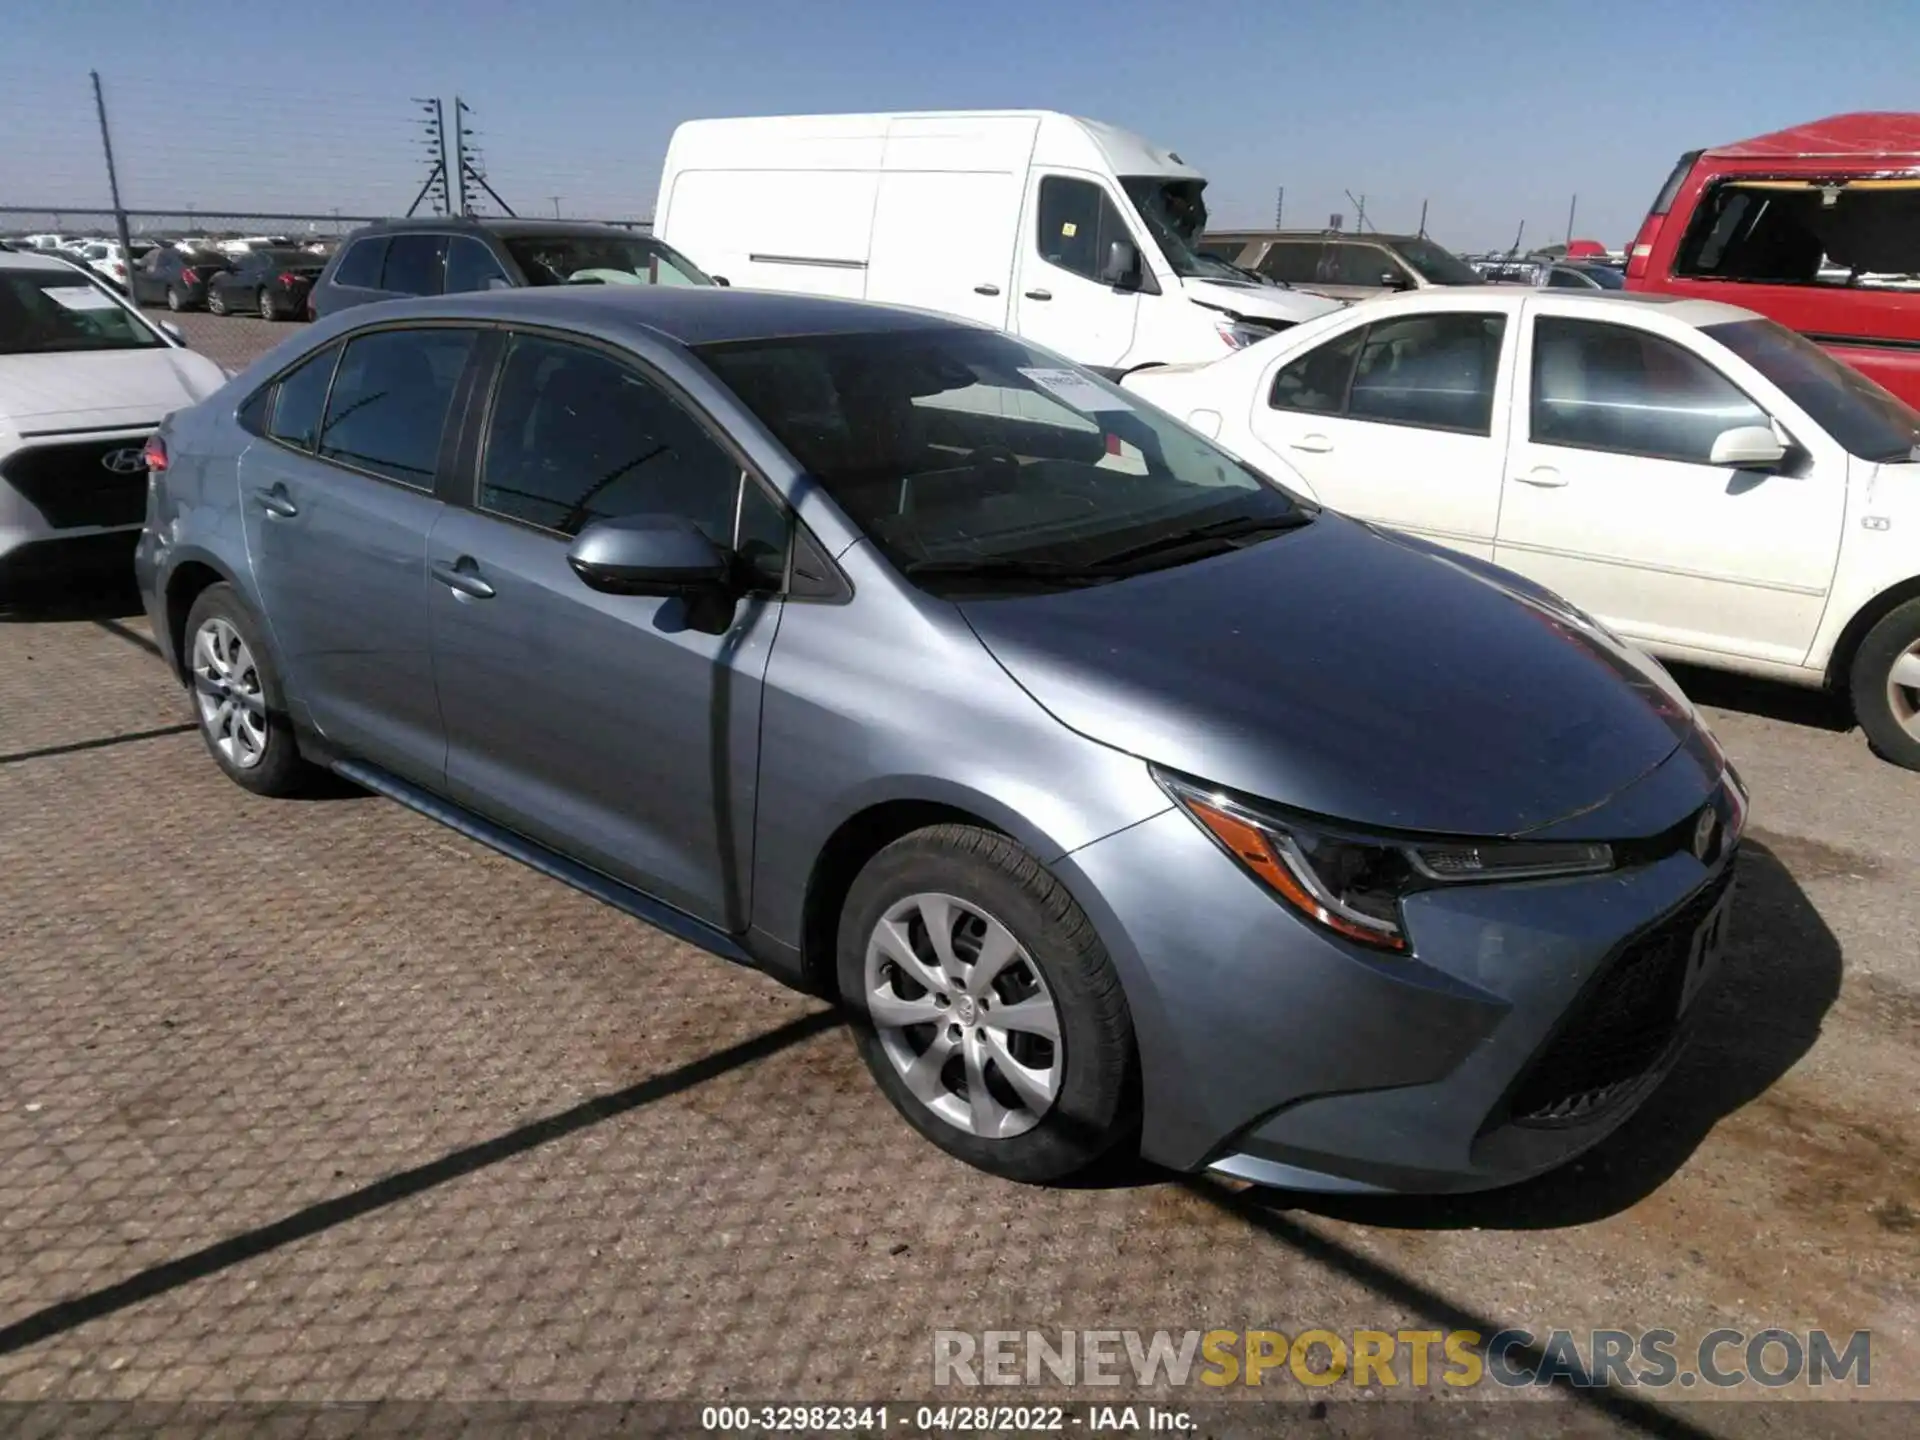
(1125, 799)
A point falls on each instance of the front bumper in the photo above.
(1532, 1019)
(60, 489)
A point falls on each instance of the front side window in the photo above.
(577, 436)
(470, 265)
(1434, 264)
(1609, 387)
(1788, 232)
(1862, 417)
(360, 266)
(589, 259)
(390, 400)
(1294, 262)
(968, 457)
(1078, 220)
(1342, 263)
(413, 264)
(60, 311)
(1436, 371)
(1317, 382)
(299, 398)
(1558, 279)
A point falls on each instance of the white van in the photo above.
(1067, 232)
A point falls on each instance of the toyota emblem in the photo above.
(1703, 834)
(130, 461)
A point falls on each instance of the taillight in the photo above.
(287, 277)
(1642, 249)
(189, 276)
(155, 454)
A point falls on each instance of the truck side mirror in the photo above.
(1122, 267)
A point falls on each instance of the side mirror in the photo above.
(1122, 267)
(1394, 280)
(721, 281)
(500, 282)
(1747, 447)
(663, 555)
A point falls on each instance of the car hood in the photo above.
(105, 387)
(1352, 674)
(1260, 302)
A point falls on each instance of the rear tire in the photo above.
(951, 1019)
(1885, 684)
(238, 699)
(269, 309)
(216, 302)
(174, 301)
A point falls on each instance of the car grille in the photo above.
(71, 487)
(1621, 1029)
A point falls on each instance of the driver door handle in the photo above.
(986, 289)
(275, 501)
(1314, 444)
(1544, 476)
(463, 578)
(1039, 294)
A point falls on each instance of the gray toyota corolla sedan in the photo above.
(1124, 798)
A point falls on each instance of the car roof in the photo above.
(1374, 237)
(1686, 310)
(684, 314)
(1863, 133)
(506, 228)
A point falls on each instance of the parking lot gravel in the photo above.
(318, 1100)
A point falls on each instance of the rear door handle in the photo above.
(1545, 476)
(463, 578)
(275, 501)
(1314, 444)
(1039, 294)
(986, 289)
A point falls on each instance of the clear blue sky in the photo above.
(1492, 119)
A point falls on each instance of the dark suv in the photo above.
(444, 256)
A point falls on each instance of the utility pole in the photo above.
(459, 198)
(1422, 232)
(1279, 207)
(1359, 212)
(466, 161)
(1572, 205)
(113, 180)
(556, 205)
(435, 126)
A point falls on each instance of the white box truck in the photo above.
(1069, 233)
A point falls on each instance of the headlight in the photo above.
(1352, 884)
(1239, 335)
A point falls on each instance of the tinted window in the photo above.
(576, 436)
(1293, 261)
(1344, 264)
(390, 399)
(1777, 233)
(470, 265)
(1608, 387)
(360, 266)
(1565, 280)
(1436, 371)
(611, 259)
(413, 264)
(1317, 381)
(1077, 221)
(299, 398)
(1441, 267)
(1865, 419)
(964, 449)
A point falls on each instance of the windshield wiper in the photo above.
(1238, 527)
(991, 567)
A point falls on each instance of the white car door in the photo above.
(1401, 420)
(1063, 304)
(1611, 499)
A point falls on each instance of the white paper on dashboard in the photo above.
(1076, 390)
(81, 297)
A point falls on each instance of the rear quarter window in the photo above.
(360, 265)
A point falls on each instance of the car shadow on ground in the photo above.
(1769, 699)
(89, 592)
(1780, 976)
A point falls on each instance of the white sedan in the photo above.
(1705, 482)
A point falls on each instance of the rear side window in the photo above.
(1609, 387)
(1317, 382)
(1293, 261)
(1077, 222)
(414, 264)
(390, 400)
(299, 398)
(470, 265)
(1435, 371)
(360, 266)
(1799, 233)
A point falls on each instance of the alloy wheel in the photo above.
(226, 688)
(268, 310)
(964, 1015)
(1903, 689)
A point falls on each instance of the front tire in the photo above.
(237, 697)
(268, 309)
(174, 301)
(986, 1006)
(216, 302)
(1885, 682)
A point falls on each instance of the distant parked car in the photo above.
(177, 278)
(110, 263)
(84, 379)
(1582, 275)
(272, 284)
(1707, 483)
(402, 258)
(1345, 266)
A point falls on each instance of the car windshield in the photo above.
(1863, 418)
(972, 459)
(1175, 213)
(601, 259)
(1435, 265)
(45, 312)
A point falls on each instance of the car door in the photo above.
(1401, 421)
(621, 730)
(1063, 304)
(339, 497)
(1610, 497)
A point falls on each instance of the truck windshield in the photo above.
(1176, 215)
